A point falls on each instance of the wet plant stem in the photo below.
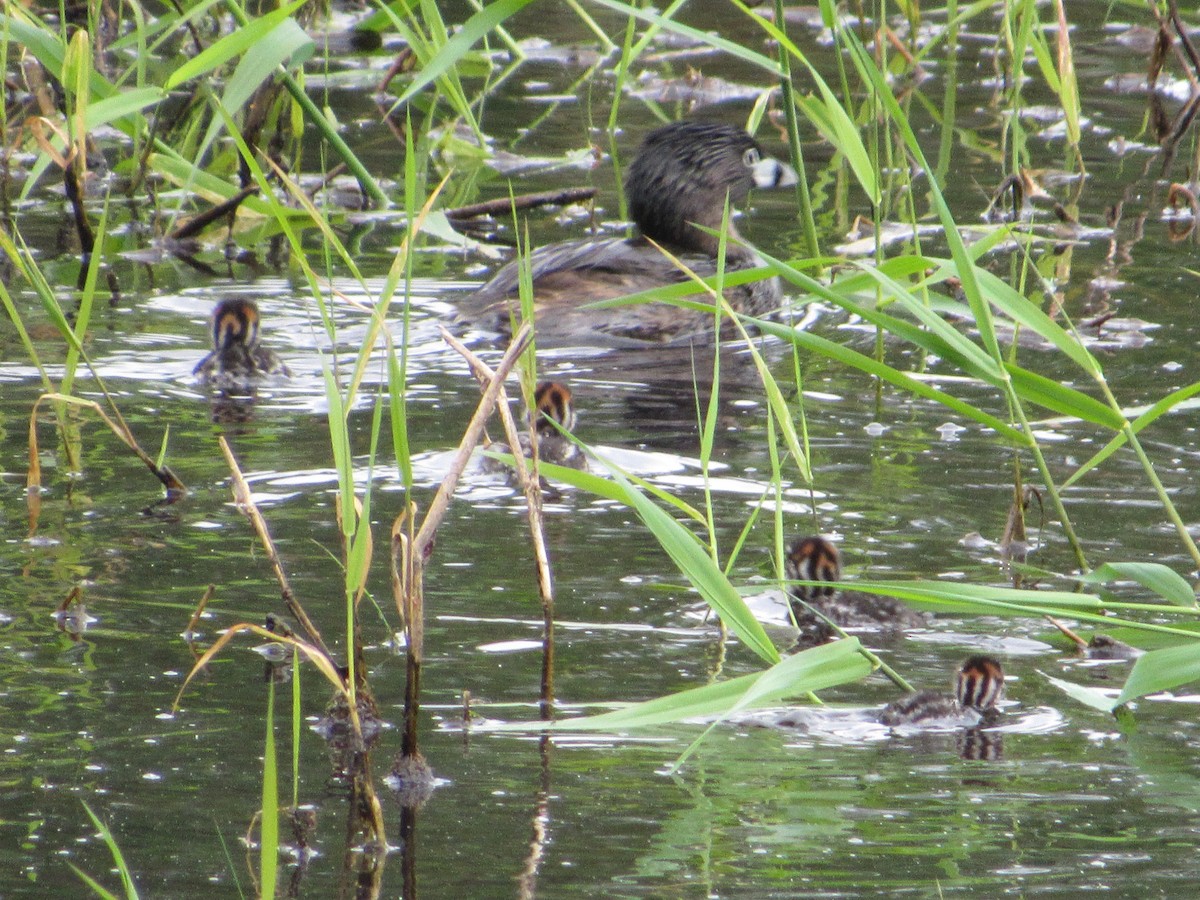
(807, 222)
(445, 492)
(1163, 497)
(1047, 479)
(895, 677)
(531, 487)
(322, 124)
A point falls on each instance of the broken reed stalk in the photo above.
(410, 551)
(245, 503)
(33, 480)
(445, 491)
(531, 486)
(365, 813)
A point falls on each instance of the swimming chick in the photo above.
(978, 687)
(552, 402)
(237, 356)
(679, 180)
(817, 559)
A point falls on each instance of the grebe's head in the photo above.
(234, 324)
(812, 559)
(684, 171)
(552, 400)
(979, 684)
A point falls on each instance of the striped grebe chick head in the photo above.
(813, 559)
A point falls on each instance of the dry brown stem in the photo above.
(245, 503)
(531, 487)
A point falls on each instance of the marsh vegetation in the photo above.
(302, 634)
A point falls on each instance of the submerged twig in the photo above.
(198, 223)
(505, 205)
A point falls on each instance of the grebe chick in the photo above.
(978, 687)
(1102, 646)
(237, 356)
(817, 559)
(679, 180)
(552, 402)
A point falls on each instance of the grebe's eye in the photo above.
(751, 158)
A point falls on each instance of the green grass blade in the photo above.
(286, 44)
(849, 357)
(1085, 695)
(812, 670)
(704, 38)
(1163, 406)
(954, 597)
(603, 487)
(1050, 394)
(828, 115)
(1161, 670)
(118, 859)
(339, 439)
(91, 882)
(249, 37)
(268, 843)
(698, 567)
(1029, 315)
(110, 109)
(971, 358)
(472, 31)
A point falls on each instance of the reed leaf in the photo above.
(113, 109)
(1154, 671)
(252, 37)
(1088, 696)
(692, 559)
(703, 38)
(1161, 670)
(956, 597)
(1161, 580)
(1029, 315)
(285, 45)
(118, 860)
(1163, 406)
(268, 830)
(602, 487)
(472, 31)
(812, 670)
(845, 355)
(1050, 394)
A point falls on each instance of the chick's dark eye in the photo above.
(751, 158)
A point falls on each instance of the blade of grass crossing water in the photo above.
(118, 860)
(697, 566)
(1156, 577)
(268, 831)
(1163, 406)
(1161, 670)
(812, 670)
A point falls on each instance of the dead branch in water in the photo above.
(505, 205)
